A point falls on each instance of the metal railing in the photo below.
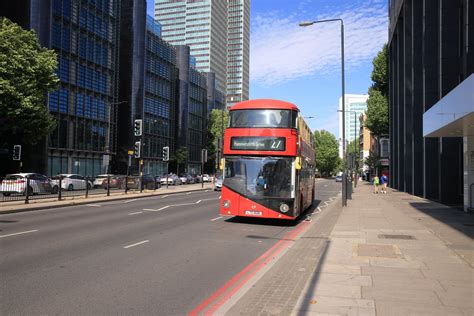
(30, 188)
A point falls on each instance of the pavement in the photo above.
(115, 195)
(383, 254)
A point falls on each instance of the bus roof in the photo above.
(264, 104)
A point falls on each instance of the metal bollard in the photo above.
(60, 190)
(141, 183)
(126, 184)
(349, 190)
(87, 187)
(27, 190)
(108, 185)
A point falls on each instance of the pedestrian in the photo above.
(376, 185)
(383, 181)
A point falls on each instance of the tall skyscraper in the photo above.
(238, 51)
(356, 104)
(202, 25)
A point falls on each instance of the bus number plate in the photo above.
(253, 213)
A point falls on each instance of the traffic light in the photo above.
(166, 153)
(17, 152)
(138, 127)
(137, 149)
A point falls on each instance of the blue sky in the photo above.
(302, 65)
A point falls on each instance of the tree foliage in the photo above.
(377, 103)
(327, 152)
(377, 113)
(26, 76)
(180, 156)
(373, 160)
(218, 121)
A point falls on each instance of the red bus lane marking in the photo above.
(266, 257)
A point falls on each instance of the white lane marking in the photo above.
(150, 209)
(129, 201)
(188, 193)
(207, 190)
(20, 233)
(165, 196)
(162, 208)
(215, 219)
(135, 213)
(136, 244)
(326, 203)
(94, 205)
(325, 185)
(319, 210)
(198, 202)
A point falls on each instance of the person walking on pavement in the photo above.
(376, 184)
(383, 181)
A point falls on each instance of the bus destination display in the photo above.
(258, 143)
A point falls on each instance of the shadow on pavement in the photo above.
(308, 298)
(453, 217)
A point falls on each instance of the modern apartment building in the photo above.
(238, 51)
(84, 35)
(202, 25)
(355, 105)
(431, 65)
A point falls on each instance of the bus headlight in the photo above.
(284, 208)
(226, 204)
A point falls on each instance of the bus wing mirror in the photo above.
(298, 163)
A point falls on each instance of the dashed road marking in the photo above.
(150, 209)
(162, 208)
(136, 244)
(20, 233)
(129, 201)
(165, 196)
(94, 205)
(215, 219)
(135, 213)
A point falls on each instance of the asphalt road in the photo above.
(159, 255)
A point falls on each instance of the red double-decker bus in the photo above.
(268, 161)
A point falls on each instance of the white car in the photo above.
(206, 178)
(16, 184)
(72, 182)
(172, 180)
(99, 179)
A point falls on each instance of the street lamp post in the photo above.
(344, 174)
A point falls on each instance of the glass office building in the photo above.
(355, 106)
(202, 26)
(238, 51)
(84, 36)
(159, 102)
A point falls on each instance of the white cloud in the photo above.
(282, 51)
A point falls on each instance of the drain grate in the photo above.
(404, 237)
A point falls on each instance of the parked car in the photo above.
(16, 184)
(148, 182)
(218, 183)
(197, 178)
(187, 179)
(172, 180)
(339, 177)
(99, 180)
(206, 178)
(116, 182)
(72, 182)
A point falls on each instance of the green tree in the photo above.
(373, 160)
(327, 152)
(218, 121)
(353, 148)
(180, 157)
(377, 103)
(26, 76)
